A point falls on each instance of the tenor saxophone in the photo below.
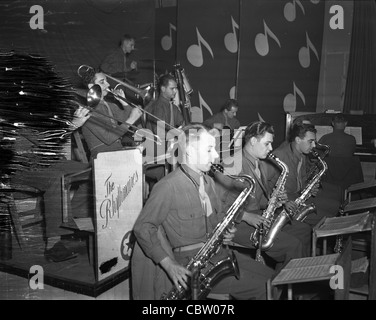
(210, 272)
(303, 209)
(275, 223)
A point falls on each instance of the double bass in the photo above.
(184, 90)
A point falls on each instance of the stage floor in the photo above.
(76, 275)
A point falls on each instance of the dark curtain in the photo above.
(361, 79)
(80, 32)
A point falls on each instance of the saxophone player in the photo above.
(295, 153)
(290, 242)
(182, 209)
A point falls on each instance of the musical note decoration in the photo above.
(262, 42)
(260, 118)
(232, 93)
(290, 10)
(194, 53)
(197, 113)
(289, 103)
(304, 53)
(166, 41)
(231, 39)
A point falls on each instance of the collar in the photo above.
(249, 157)
(165, 100)
(296, 154)
(193, 174)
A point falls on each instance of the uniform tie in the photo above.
(257, 169)
(299, 175)
(172, 122)
(205, 201)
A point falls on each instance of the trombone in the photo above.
(94, 96)
(146, 94)
(95, 92)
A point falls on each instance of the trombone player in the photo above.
(105, 132)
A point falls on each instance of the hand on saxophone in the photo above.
(177, 273)
(315, 189)
(228, 236)
(291, 206)
(254, 219)
(282, 198)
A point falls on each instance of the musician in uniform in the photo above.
(117, 63)
(105, 133)
(294, 240)
(164, 108)
(176, 221)
(226, 117)
(295, 155)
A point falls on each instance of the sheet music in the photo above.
(354, 131)
(315, 268)
(345, 224)
(359, 265)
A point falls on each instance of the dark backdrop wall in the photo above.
(79, 32)
(264, 53)
(267, 54)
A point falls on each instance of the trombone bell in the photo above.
(94, 95)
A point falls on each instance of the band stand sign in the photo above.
(118, 193)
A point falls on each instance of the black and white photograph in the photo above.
(212, 150)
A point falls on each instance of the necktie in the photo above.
(205, 201)
(299, 175)
(257, 169)
(172, 122)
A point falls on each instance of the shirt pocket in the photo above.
(192, 222)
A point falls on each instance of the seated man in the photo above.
(226, 117)
(105, 129)
(295, 155)
(185, 209)
(117, 63)
(294, 240)
(344, 168)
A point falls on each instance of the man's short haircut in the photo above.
(339, 118)
(257, 129)
(165, 79)
(229, 104)
(89, 76)
(192, 132)
(126, 37)
(300, 130)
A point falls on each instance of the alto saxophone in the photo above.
(211, 272)
(275, 223)
(304, 210)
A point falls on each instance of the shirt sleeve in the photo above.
(112, 64)
(210, 121)
(102, 127)
(151, 217)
